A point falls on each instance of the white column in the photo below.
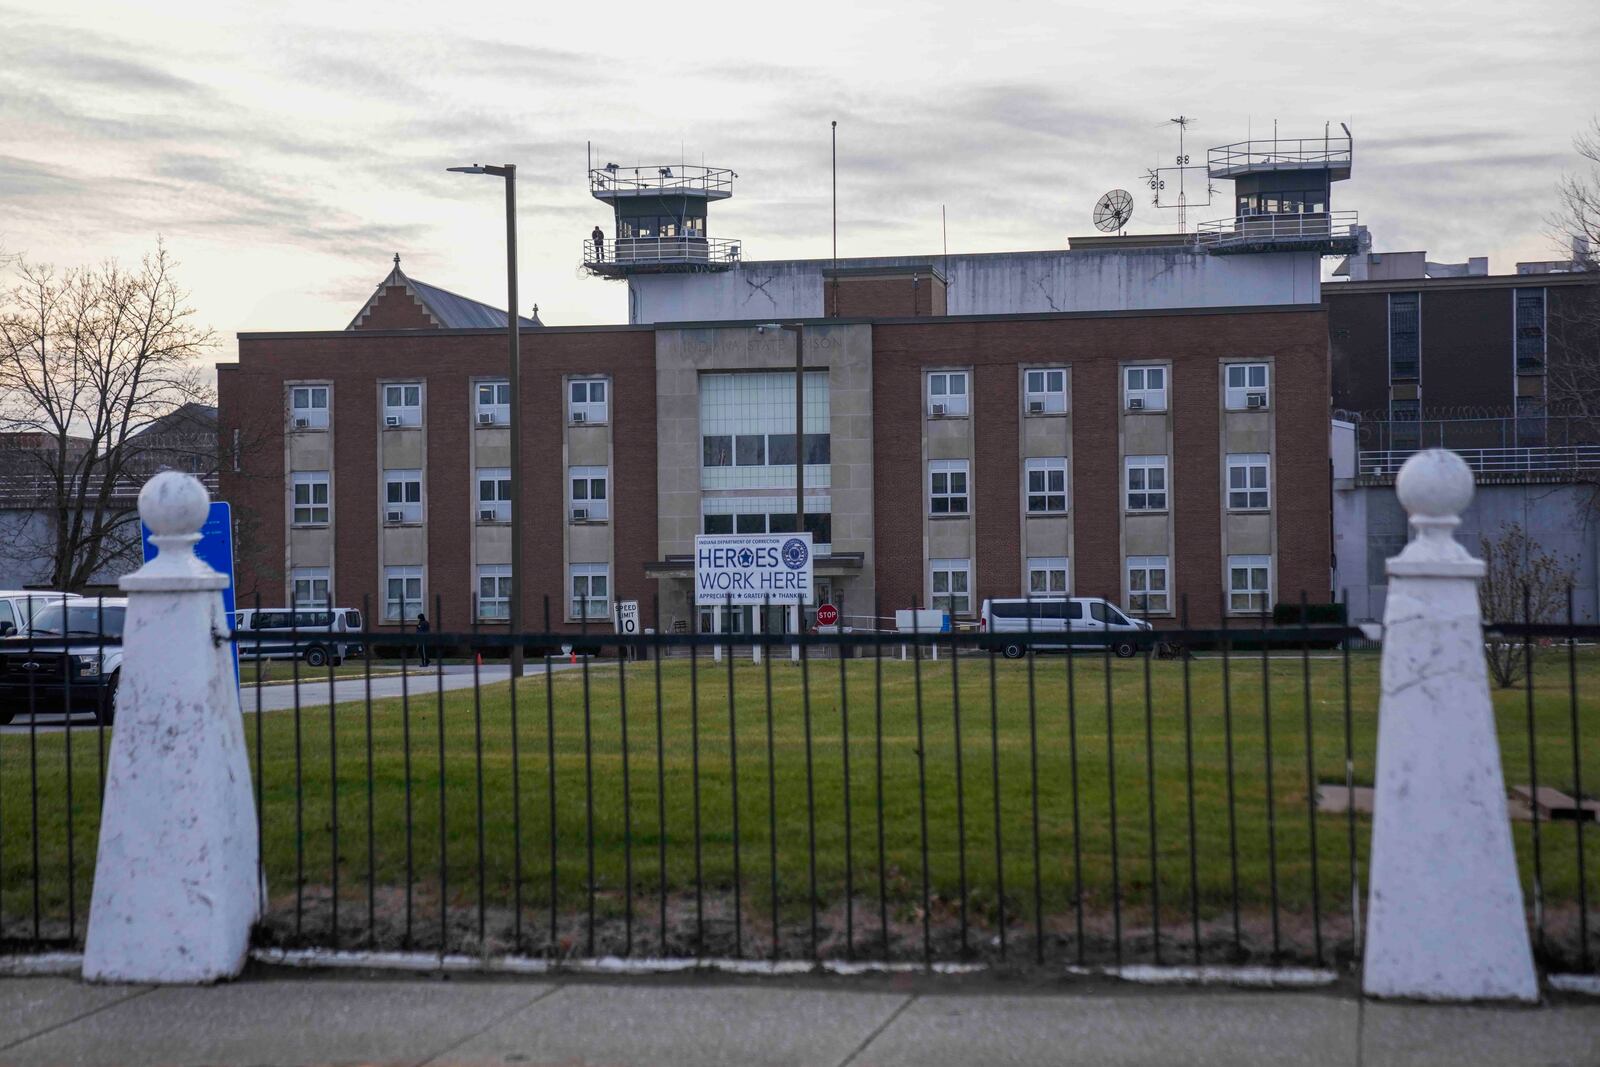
(716, 628)
(794, 630)
(175, 886)
(1445, 916)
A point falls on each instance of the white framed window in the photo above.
(588, 400)
(402, 496)
(951, 582)
(310, 587)
(947, 392)
(493, 406)
(308, 407)
(1047, 575)
(1147, 483)
(1246, 386)
(402, 594)
(1044, 390)
(494, 591)
(947, 487)
(1045, 485)
(402, 404)
(1249, 584)
(1144, 388)
(494, 494)
(590, 584)
(1148, 588)
(1248, 481)
(588, 495)
(312, 506)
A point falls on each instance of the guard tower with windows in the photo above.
(1283, 197)
(659, 220)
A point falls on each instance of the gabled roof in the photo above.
(449, 311)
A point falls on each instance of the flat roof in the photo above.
(1473, 281)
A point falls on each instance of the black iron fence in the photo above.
(841, 796)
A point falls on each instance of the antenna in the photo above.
(1156, 178)
(1112, 211)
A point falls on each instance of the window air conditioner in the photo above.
(940, 409)
(580, 514)
(396, 516)
(485, 418)
(1255, 400)
(486, 515)
(302, 423)
(391, 420)
(1135, 403)
(1036, 407)
(578, 416)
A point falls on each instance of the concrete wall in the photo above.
(1002, 283)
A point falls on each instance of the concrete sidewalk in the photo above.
(280, 1019)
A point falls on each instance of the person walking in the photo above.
(599, 239)
(422, 629)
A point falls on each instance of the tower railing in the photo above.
(664, 251)
(659, 180)
(1278, 228)
(1279, 153)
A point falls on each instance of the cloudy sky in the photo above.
(285, 151)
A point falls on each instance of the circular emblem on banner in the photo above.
(794, 553)
(747, 558)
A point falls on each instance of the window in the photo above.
(1532, 429)
(1530, 330)
(402, 404)
(1047, 575)
(1147, 483)
(717, 524)
(494, 494)
(1147, 586)
(494, 591)
(1247, 481)
(1246, 386)
(402, 593)
(1144, 388)
(1405, 431)
(591, 590)
(494, 403)
(310, 586)
(1046, 485)
(1404, 336)
(947, 392)
(750, 450)
(587, 490)
(763, 450)
(308, 407)
(1045, 391)
(402, 496)
(1248, 590)
(311, 507)
(947, 486)
(951, 586)
(587, 400)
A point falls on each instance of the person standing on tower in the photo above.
(599, 238)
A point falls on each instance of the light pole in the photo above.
(508, 171)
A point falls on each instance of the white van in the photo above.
(313, 634)
(19, 606)
(1062, 615)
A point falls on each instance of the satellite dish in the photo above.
(1112, 211)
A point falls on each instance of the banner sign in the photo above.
(752, 569)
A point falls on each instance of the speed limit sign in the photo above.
(628, 618)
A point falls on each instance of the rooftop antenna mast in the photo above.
(1156, 178)
(1182, 122)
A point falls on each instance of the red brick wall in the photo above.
(884, 296)
(396, 309)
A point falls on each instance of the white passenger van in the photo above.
(19, 606)
(1065, 616)
(314, 634)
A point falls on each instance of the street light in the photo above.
(508, 171)
(799, 432)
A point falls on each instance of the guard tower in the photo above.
(1283, 197)
(659, 215)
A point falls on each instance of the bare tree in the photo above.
(1573, 378)
(94, 364)
(1521, 583)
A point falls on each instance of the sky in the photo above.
(286, 151)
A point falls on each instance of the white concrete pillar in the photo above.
(716, 628)
(175, 886)
(795, 617)
(1445, 917)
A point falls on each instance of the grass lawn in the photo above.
(1009, 791)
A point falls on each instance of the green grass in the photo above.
(590, 802)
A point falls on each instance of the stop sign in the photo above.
(827, 615)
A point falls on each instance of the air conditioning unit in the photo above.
(1036, 407)
(580, 514)
(485, 418)
(1255, 400)
(391, 420)
(396, 516)
(1136, 403)
(578, 416)
(940, 409)
(302, 423)
(486, 515)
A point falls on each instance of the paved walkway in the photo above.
(282, 1019)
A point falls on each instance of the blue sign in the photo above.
(215, 547)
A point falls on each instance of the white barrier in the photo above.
(176, 888)
(1445, 918)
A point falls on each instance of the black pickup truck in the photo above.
(69, 658)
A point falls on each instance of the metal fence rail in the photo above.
(1566, 460)
(672, 797)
